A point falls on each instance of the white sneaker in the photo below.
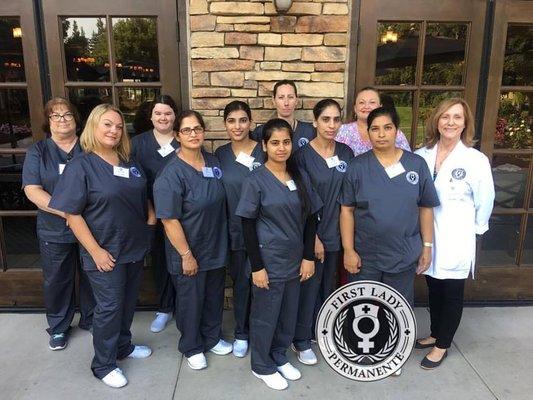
(307, 357)
(398, 372)
(222, 348)
(289, 372)
(240, 348)
(197, 361)
(140, 352)
(115, 379)
(273, 381)
(160, 321)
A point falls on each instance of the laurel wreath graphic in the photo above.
(379, 356)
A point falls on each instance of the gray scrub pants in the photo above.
(272, 323)
(403, 282)
(313, 292)
(116, 297)
(163, 282)
(240, 271)
(59, 263)
(199, 308)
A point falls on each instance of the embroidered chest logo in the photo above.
(412, 177)
(302, 141)
(459, 174)
(135, 172)
(255, 165)
(341, 167)
(217, 172)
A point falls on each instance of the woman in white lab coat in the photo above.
(463, 179)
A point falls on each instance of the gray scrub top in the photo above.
(280, 221)
(327, 183)
(42, 166)
(303, 134)
(387, 230)
(114, 207)
(199, 203)
(233, 177)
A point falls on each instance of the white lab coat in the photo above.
(466, 192)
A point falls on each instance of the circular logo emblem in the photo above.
(255, 165)
(342, 166)
(135, 172)
(459, 174)
(366, 331)
(217, 172)
(412, 177)
(302, 141)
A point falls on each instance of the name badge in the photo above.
(395, 170)
(333, 161)
(122, 172)
(207, 172)
(245, 160)
(291, 185)
(166, 150)
(62, 168)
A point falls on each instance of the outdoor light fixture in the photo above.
(282, 6)
(17, 32)
(389, 37)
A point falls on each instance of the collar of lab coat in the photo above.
(445, 168)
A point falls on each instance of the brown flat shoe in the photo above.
(420, 345)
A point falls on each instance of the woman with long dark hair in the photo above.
(278, 209)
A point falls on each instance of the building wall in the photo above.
(239, 49)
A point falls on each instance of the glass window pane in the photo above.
(518, 62)
(11, 59)
(15, 127)
(514, 128)
(527, 252)
(444, 54)
(135, 44)
(12, 196)
(500, 242)
(403, 101)
(22, 246)
(86, 52)
(132, 100)
(396, 54)
(428, 101)
(510, 177)
(85, 99)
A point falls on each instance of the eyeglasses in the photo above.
(57, 117)
(198, 130)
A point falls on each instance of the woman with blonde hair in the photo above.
(464, 184)
(103, 194)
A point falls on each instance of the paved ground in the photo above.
(492, 358)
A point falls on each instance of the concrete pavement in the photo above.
(491, 358)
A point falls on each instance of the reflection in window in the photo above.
(85, 99)
(132, 100)
(86, 52)
(514, 127)
(396, 54)
(510, 178)
(15, 124)
(22, 247)
(135, 45)
(11, 59)
(428, 101)
(527, 252)
(403, 102)
(499, 243)
(518, 62)
(444, 54)
(11, 194)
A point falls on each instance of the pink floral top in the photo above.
(349, 135)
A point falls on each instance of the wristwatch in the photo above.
(428, 244)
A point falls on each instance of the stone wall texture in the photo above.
(239, 49)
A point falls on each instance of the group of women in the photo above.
(278, 206)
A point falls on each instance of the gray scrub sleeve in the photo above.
(30, 171)
(168, 197)
(349, 186)
(428, 194)
(70, 193)
(249, 202)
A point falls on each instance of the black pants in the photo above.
(199, 308)
(403, 282)
(116, 297)
(313, 293)
(60, 261)
(272, 323)
(240, 274)
(163, 282)
(445, 308)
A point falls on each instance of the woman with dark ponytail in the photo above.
(278, 209)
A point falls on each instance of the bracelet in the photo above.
(187, 252)
(428, 244)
